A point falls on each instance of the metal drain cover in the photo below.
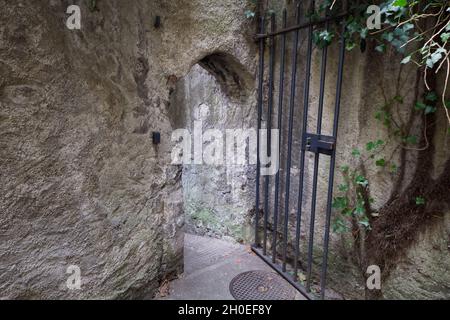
(261, 285)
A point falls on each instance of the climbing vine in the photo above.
(419, 30)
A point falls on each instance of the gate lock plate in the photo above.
(319, 143)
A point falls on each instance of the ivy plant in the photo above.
(418, 30)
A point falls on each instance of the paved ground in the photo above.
(210, 265)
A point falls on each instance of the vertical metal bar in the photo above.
(280, 118)
(332, 166)
(260, 101)
(316, 166)
(303, 151)
(268, 128)
(322, 85)
(289, 152)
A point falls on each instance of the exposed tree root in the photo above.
(401, 219)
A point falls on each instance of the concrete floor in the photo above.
(210, 265)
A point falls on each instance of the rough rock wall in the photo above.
(82, 183)
(218, 198)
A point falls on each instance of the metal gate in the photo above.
(273, 253)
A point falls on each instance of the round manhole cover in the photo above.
(261, 285)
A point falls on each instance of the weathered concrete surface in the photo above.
(209, 267)
(424, 272)
(82, 183)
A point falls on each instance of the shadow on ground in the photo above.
(209, 266)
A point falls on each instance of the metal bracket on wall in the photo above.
(319, 143)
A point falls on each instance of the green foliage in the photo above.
(356, 152)
(419, 30)
(322, 38)
(380, 162)
(92, 5)
(351, 204)
(420, 201)
(374, 145)
(430, 97)
(249, 14)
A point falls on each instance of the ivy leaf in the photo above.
(344, 169)
(411, 139)
(399, 99)
(420, 106)
(447, 104)
(406, 59)
(323, 38)
(339, 225)
(380, 162)
(364, 32)
(360, 210)
(343, 187)
(372, 145)
(400, 3)
(249, 14)
(407, 27)
(326, 36)
(431, 96)
(347, 212)
(420, 201)
(362, 181)
(434, 58)
(388, 36)
(379, 115)
(445, 36)
(365, 223)
(356, 152)
(381, 48)
(350, 45)
(430, 109)
(340, 203)
(393, 168)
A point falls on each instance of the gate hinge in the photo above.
(319, 143)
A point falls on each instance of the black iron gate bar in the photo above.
(315, 143)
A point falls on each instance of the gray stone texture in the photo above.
(82, 184)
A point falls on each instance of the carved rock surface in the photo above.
(81, 182)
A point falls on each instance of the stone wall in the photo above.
(82, 183)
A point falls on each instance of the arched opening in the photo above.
(213, 99)
(213, 108)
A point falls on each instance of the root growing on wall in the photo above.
(401, 220)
